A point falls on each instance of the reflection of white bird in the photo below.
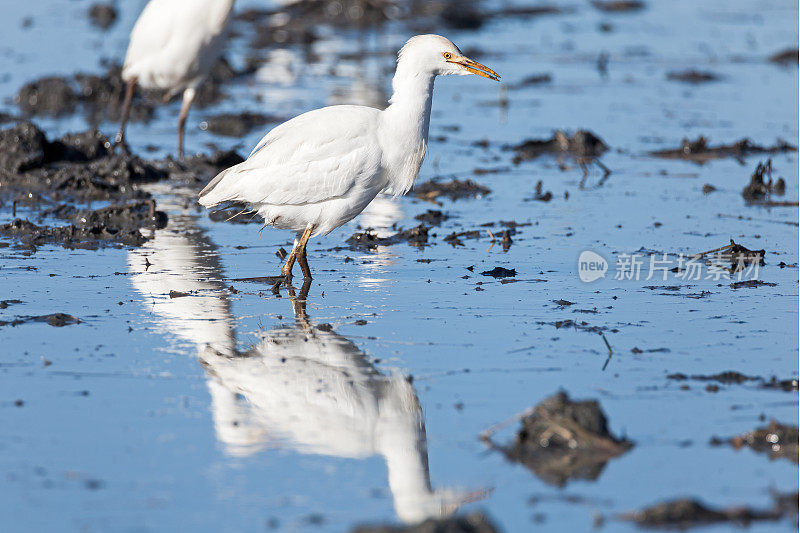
(173, 46)
(301, 386)
(319, 170)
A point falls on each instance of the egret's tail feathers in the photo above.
(218, 190)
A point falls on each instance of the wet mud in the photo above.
(368, 240)
(563, 440)
(692, 76)
(700, 151)
(582, 144)
(56, 320)
(779, 441)
(99, 97)
(453, 189)
(688, 513)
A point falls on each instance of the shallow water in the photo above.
(131, 425)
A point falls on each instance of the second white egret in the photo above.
(319, 170)
(173, 46)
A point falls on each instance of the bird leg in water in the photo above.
(126, 111)
(188, 98)
(298, 253)
(301, 254)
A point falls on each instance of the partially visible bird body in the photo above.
(173, 46)
(319, 170)
(175, 43)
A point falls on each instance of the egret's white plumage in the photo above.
(173, 46)
(319, 170)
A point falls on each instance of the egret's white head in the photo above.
(436, 55)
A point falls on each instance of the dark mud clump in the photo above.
(103, 15)
(500, 272)
(699, 150)
(198, 169)
(686, 513)
(762, 187)
(728, 377)
(91, 229)
(432, 217)
(786, 57)
(582, 144)
(238, 124)
(692, 76)
(454, 189)
(776, 439)
(540, 196)
(77, 166)
(417, 236)
(618, 6)
(736, 256)
(51, 96)
(22, 147)
(475, 522)
(562, 440)
(56, 320)
(100, 96)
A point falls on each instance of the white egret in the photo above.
(173, 46)
(319, 170)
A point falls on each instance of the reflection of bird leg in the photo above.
(188, 98)
(126, 111)
(299, 303)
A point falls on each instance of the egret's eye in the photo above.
(448, 55)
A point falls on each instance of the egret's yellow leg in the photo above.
(188, 98)
(126, 111)
(301, 254)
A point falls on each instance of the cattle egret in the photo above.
(173, 46)
(319, 170)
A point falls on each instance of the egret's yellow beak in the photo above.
(475, 68)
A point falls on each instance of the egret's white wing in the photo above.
(318, 156)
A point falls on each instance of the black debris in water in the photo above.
(56, 320)
(563, 439)
(761, 186)
(692, 76)
(432, 217)
(728, 377)
(699, 150)
(539, 196)
(788, 57)
(685, 513)
(751, 283)
(500, 272)
(582, 144)
(618, 6)
(776, 439)
(417, 236)
(474, 522)
(103, 15)
(454, 189)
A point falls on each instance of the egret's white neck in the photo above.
(410, 105)
(405, 125)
